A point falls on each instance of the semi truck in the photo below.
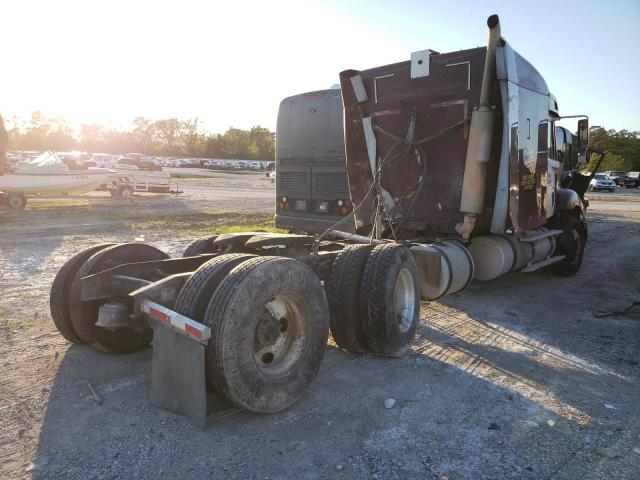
(457, 170)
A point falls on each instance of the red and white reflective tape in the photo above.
(192, 329)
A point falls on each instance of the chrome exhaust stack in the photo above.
(480, 138)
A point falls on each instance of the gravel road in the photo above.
(513, 378)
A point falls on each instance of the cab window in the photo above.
(546, 139)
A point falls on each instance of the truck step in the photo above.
(540, 235)
(537, 266)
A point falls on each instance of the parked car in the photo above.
(602, 182)
(95, 163)
(627, 181)
(635, 176)
(143, 162)
(103, 160)
(188, 163)
(615, 175)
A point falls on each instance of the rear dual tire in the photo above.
(269, 323)
(343, 294)
(390, 299)
(200, 246)
(59, 297)
(374, 299)
(84, 314)
(197, 291)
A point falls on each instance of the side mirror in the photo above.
(583, 157)
(583, 134)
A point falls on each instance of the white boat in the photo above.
(48, 175)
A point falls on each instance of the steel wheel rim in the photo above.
(405, 300)
(280, 334)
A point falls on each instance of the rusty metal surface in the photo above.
(444, 97)
(101, 285)
(113, 315)
(164, 291)
(236, 239)
(122, 285)
(286, 239)
(439, 100)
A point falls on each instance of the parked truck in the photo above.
(456, 170)
(312, 191)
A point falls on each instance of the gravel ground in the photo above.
(514, 378)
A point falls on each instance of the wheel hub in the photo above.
(279, 336)
(268, 329)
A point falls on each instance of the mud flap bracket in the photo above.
(178, 381)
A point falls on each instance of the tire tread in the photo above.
(188, 301)
(379, 330)
(199, 246)
(59, 296)
(343, 294)
(215, 314)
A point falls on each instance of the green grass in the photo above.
(13, 325)
(40, 205)
(192, 179)
(178, 223)
(266, 226)
(209, 223)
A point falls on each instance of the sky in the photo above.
(229, 63)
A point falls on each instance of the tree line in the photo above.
(166, 137)
(622, 147)
(186, 138)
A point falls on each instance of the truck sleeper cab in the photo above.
(462, 146)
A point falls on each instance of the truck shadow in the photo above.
(565, 384)
(476, 392)
(499, 383)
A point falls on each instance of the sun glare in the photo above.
(227, 63)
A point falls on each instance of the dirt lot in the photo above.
(514, 378)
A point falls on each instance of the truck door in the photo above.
(547, 155)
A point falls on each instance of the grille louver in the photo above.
(330, 184)
(295, 184)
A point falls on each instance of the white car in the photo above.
(602, 182)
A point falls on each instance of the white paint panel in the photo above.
(358, 89)
(420, 63)
(370, 140)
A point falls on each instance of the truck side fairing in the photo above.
(528, 172)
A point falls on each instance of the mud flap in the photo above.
(177, 374)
